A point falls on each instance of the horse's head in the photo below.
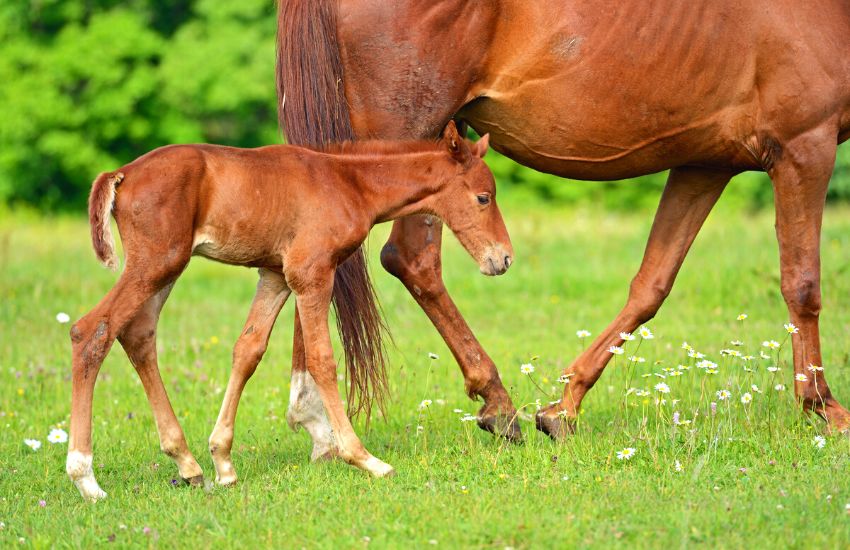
(467, 204)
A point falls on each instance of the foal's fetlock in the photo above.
(79, 468)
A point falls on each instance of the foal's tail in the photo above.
(100, 208)
(313, 111)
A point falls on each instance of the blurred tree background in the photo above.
(88, 85)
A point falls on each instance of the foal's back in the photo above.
(237, 206)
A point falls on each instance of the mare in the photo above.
(597, 90)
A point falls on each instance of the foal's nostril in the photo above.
(507, 262)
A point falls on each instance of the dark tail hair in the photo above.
(101, 199)
(313, 111)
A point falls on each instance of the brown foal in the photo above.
(295, 213)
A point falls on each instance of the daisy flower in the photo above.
(678, 466)
(771, 344)
(779, 387)
(433, 355)
(33, 444)
(526, 368)
(425, 404)
(636, 359)
(695, 354)
(742, 316)
(815, 368)
(747, 398)
(706, 364)
(564, 379)
(819, 441)
(723, 395)
(662, 387)
(616, 350)
(582, 333)
(755, 388)
(801, 377)
(626, 454)
(791, 328)
(763, 355)
(645, 333)
(468, 418)
(773, 368)
(57, 435)
(736, 343)
(687, 346)
(63, 317)
(627, 336)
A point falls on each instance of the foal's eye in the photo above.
(483, 198)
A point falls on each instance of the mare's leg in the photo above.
(305, 404)
(139, 342)
(413, 255)
(687, 199)
(91, 338)
(272, 293)
(314, 306)
(800, 178)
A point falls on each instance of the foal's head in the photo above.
(467, 204)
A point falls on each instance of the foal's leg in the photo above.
(139, 341)
(305, 404)
(314, 305)
(272, 293)
(413, 255)
(800, 179)
(688, 198)
(91, 338)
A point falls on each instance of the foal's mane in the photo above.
(376, 148)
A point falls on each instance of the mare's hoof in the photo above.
(502, 425)
(194, 481)
(556, 427)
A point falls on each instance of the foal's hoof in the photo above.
(502, 425)
(556, 427)
(194, 481)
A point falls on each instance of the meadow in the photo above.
(744, 471)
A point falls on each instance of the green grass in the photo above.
(456, 486)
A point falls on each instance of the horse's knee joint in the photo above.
(802, 294)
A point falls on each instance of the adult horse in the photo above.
(600, 90)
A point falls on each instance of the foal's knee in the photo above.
(89, 340)
(802, 294)
(248, 352)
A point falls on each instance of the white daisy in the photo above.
(616, 350)
(425, 404)
(791, 328)
(645, 333)
(526, 368)
(433, 355)
(723, 395)
(582, 333)
(801, 377)
(57, 435)
(627, 336)
(742, 316)
(626, 454)
(63, 317)
(662, 387)
(33, 444)
(819, 441)
(747, 398)
(771, 344)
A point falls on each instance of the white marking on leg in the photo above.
(79, 468)
(306, 409)
(377, 467)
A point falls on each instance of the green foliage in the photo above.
(89, 85)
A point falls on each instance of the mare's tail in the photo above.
(100, 209)
(313, 111)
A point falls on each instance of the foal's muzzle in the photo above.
(497, 260)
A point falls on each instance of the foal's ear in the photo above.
(453, 141)
(479, 148)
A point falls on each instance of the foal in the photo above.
(294, 213)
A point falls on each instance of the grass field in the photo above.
(751, 474)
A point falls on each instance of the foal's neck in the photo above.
(398, 184)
